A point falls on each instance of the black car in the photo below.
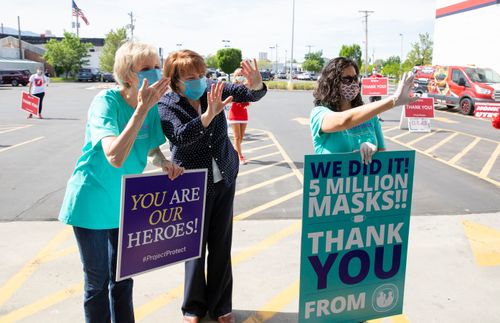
(89, 75)
(266, 75)
(108, 77)
(420, 86)
(14, 77)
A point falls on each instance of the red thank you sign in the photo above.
(422, 108)
(373, 86)
(30, 103)
(486, 110)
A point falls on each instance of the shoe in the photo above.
(29, 116)
(40, 116)
(227, 318)
(243, 161)
(190, 319)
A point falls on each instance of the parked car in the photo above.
(462, 86)
(281, 76)
(89, 75)
(108, 77)
(266, 75)
(14, 77)
(304, 76)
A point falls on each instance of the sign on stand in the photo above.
(355, 225)
(419, 114)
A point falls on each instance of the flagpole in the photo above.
(77, 26)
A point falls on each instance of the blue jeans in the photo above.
(105, 299)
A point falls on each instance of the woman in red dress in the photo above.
(238, 118)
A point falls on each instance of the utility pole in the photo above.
(19, 35)
(309, 52)
(131, 25)
(366, 14)
(291, 54)
(2, 27)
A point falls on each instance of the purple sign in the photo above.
(161, 221)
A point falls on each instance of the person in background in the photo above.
(123, 131)
(197, 131)
(238, 117)
(37, 84)
(340, 121)
(496, 121)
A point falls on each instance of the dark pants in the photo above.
(215, 294)
(98, 251)
(40, 96)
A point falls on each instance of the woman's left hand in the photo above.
(173, 170)
(252, 75)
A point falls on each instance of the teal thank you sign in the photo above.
(355, 224)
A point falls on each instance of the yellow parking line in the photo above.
(20, 144)
(262, 184)
(62, 253)
(445, 120)
(270, 309)
(162, 300)
(489, 164)
(9, 288)
(442, 142)
(16, 128)
(390, 129)
(464, 151)
(257, 148)
(258, 169)
(248, 142)
(465, 170)
(421, 138)
(264, 156)
(267, 205)
(43, 303)
(287, 158)
(401, 135)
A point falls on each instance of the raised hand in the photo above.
(214, 98)
(148, 96)
(402, 93)
(252, 74)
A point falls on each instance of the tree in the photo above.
(264, 64)
(313, 61)
(353, 52)
(113, 41)
(421, 53)
(211, 61)
(67, 55)
(229, 59)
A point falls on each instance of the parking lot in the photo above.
(455, 228)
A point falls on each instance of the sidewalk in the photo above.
(41, 278)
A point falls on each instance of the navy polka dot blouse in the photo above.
(194, 146)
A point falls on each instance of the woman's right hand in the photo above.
(148, 96)
(402, 93)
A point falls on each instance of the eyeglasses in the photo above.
(349, 79)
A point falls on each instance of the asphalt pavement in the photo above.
(454, 250)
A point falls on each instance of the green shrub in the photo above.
(283, 85)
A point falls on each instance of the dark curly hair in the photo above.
(327, 93)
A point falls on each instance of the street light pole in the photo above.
(401, 58)
(225, 43)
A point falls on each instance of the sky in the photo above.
(252, 26)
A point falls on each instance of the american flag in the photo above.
(77, 12)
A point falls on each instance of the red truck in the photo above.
(458, 86)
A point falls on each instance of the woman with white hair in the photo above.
(123, 131)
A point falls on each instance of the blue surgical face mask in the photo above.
(151, 75)
(194, 89)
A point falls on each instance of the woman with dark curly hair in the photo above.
(340, 121)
